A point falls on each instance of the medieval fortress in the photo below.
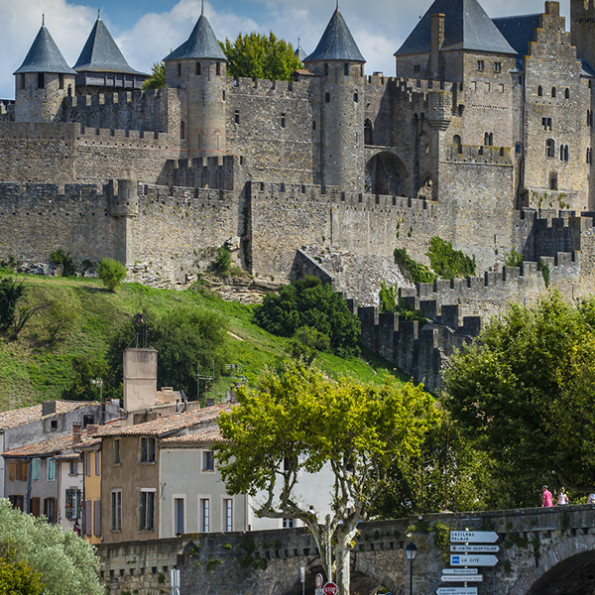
(484, 138)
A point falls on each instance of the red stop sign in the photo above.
(330, 589)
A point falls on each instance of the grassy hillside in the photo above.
(80, 317)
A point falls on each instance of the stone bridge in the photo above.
(542, 552)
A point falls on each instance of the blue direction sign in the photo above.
(473, 537)
(456, 591)
(473, 560)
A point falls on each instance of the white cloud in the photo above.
(379, 28)
(69, 26)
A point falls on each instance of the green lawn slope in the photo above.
(80, 317)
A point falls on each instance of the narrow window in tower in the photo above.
(546, 123)
(553, 91)
(326, 70)
(550, 147)
(480, 65)
(61, 81)
(589, 155)
(456, 141)
(517, 148)
(346, 69)
(40, 80)
(282, 120)
(198, 68)
(69, 90)
(355, 97)
(417, 68)
(223, 95)
(327, 97)
(567, 94)
(553, 181)
(22, 81)
(237, 116)
(182, 130)
(218, 69)
(589, 119)
(540, 91)
(497, 66)
(566, 153)
(314, 125)
(179, 69)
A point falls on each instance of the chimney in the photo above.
(76, 432)
(48, 408)
(437, 41)
(92, 429)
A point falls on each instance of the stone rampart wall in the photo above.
(61, 153)
(128, 110)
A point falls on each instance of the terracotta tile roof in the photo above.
(26, 415)
(199, 439)
(46, 447)
(162, 426)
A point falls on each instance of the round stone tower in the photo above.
(340, 66)
(198, 68)
(43, 81)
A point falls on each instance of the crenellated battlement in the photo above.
(207, 172)
(280, 89)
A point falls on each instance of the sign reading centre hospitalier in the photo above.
(330, 589)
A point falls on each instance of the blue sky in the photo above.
(147, 30)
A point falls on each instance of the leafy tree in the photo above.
(299, 422)
(309, 302)
(112, 273)
(184, 337)
(13, 316)
(307, 342)
(86, 369)
(157, 78)
(260, 57)
(67, 564)
(11, 291)
(525, 391)
(447, 262)
(17, 578)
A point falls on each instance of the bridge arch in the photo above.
(567, 567)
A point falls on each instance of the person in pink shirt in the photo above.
(548, 501)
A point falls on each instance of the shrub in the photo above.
(222, 262)
(112, 273)
(412, 270)
(447, 262)
(387, 297)
(513, 259)
(59, 257)
(309, 302)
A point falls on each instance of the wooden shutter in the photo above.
(24, 470)
(97, 518)
(12, 471)
(35, 506)
(88, 519)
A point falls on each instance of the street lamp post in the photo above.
(410, 553)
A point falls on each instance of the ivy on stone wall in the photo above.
(447, 262)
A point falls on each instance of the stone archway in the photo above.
(567, 568)
(385, 174)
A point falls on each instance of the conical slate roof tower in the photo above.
(44, 56)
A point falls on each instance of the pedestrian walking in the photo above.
(562, 498)
(547, 498)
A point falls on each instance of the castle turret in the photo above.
(582, 29)
(101, 66)
(340, 65)
(43, 81)
(199, 67)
